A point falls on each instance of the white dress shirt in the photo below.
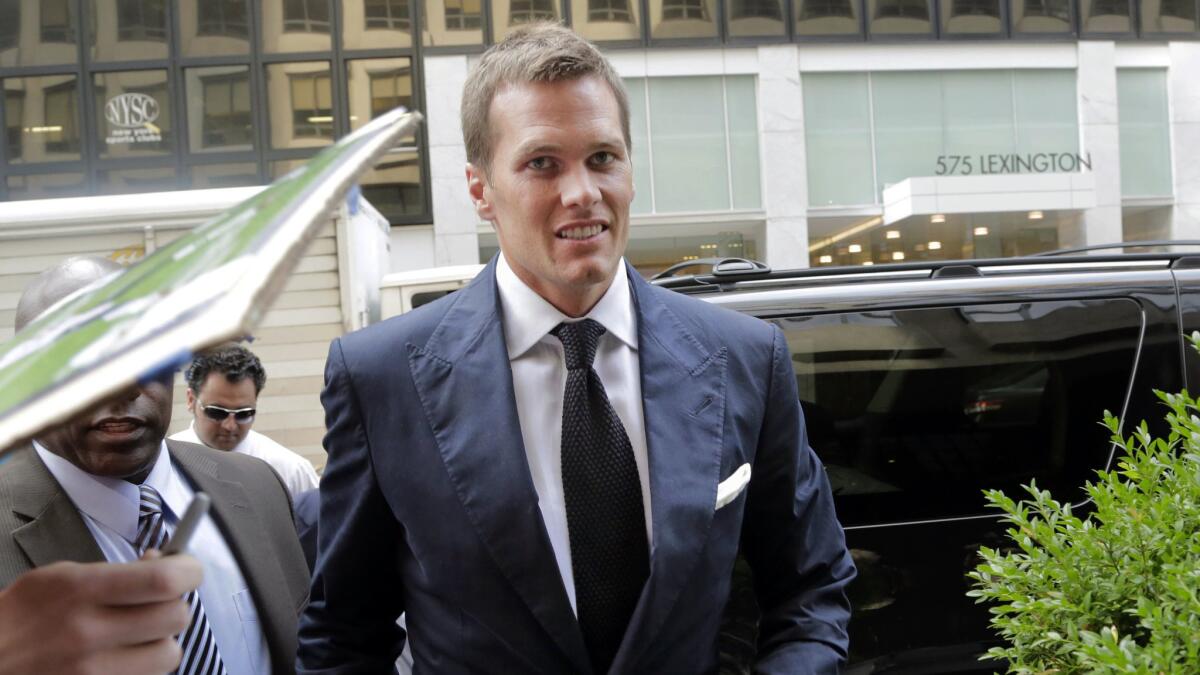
(539, 376)
(109, 507)
(297, 473)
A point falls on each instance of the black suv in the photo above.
(923, 384)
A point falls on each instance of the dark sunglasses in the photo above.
(218, 414)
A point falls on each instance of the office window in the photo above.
(312, 106)
(226, 121)
(394, 186)
(762, 9)
(45, 186)
(529, 11)
(134, 113)
(902, 9)
(684, 9)
(912, 420)
(988, 8)
(141, 20)
(464, 15)
(305, 16)
(60, 105)
(222, 17)
(387, 14)
(1105, 17)
(14, 118)
(695, 144)
(10, 24)
(609, 10)
(1145, 136)
(377, 86)
(390, 89)
(1041, 16)
(826, 17)
(57, 23)
(900, 17)
(1172, 16)
(837, 131)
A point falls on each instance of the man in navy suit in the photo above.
(554, 469)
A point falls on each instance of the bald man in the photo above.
(87, 490)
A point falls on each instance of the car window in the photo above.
(914, 412)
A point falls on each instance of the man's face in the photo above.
(121, 437)
(559, 187)
(219, 391)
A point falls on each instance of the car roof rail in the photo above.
(1119, 245)
(721, 267)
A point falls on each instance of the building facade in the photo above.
(801, 132)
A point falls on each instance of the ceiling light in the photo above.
(937, 218)
(1035, 215)
(855, 248)
(893, 234)
(935, 245)
(825, 259)
(981, 232)
(819, 244)
(898, 255)
(320, 119)
(43, 130)
(868, 262)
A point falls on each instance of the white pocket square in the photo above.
(731, 487)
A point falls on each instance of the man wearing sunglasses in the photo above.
(222, 395)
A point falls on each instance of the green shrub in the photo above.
(1114, 591)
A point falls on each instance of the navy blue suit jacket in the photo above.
(427, 505)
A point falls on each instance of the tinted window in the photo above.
(914, 412)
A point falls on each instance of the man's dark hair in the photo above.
(233, 361)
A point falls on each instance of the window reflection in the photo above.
(124, 30)
(1168, 16)
(377, 86)
(1105, 16)
(10, 24)
(300, 102)
(508, 14)
(394, 185)
(683, 19)
(826, 17)
(135, 113)
(141, 20)
(218, 106)
(224, 175)
(749, 18)
(132, 181)
(1041, 16)
(44, 186)
(606, 20)
(214, 27)
(452, 23)
(296, 26)
(42, 118)
(971, 17)
(57, 21)
(899, 17)
(376, 24)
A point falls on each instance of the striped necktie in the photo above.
(200, 653)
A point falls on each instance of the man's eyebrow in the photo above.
(535, 148)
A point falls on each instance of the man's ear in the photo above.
(191, 400)
(478, 189)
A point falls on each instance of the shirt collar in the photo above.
(111, 501)
(528, 317)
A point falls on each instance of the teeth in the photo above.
(581, 232)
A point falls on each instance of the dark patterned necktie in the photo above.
(200, 654)
(610, 557)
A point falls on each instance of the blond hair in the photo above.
(538, 52)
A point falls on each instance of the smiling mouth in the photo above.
(582, 232)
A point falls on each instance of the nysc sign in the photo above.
(131, 118)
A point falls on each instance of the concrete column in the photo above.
(784, 171)
(1183, 93)
(454, 221)
(1096, 88)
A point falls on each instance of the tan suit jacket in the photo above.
(39, 525)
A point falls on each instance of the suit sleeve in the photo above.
(793, 541)
(349, 625)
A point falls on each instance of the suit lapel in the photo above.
(55, 530)
(683, 400)
(464, 383)
(241, 527)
